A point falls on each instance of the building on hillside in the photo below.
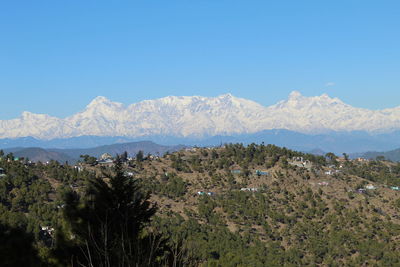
(202, 193)
(331, 172)
(370, 187)
(129, 174)
(29, 163)
(153, 157)
(300, 162)
(261, 173)
(105, 156)
(79, 168)
(361, 190)
(106, 162)
(47, 230)
(249, 189)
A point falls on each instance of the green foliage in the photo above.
(140, 156)
(288, 221)
(173, 186)
(107, 224)
(17, 248)
(89, 159)
(179, 164)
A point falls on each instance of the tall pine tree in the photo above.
(106, 225)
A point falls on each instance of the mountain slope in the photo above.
(198, 117)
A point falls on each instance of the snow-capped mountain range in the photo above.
(196, 116)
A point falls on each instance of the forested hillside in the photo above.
(256, 205)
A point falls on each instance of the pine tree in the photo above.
(15, 241)
(106, 225)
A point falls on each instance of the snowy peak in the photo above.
(326, 100)
(295, 95)
(300, 102)
(100, 100)
(26, 115)
(101, 103)
(226, 97)
(100, 107)
(198, 116)
(33, 117)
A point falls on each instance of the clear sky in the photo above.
(56, 56)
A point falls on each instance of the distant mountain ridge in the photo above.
(337, 142)
(72, 155)
(199, 117)
(37, 154)
(393, 155)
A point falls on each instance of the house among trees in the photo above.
(2, 172)
(153, 157)
(129, 173)
(106, 160)
(260, 173)
(300, 162)
(49, 230)
(331, 172)
(370, 187)
(202, 193)
(361, 191)
(249, 189)
(106, 156)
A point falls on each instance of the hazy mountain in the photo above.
(72, 155)
(393, 155)
(199, 117)
(36, 154)
(132, 149)
(65, 143)
(337, 142)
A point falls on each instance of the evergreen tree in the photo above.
(15, 241)
(140, 156)
(124, 156)
(107, 224)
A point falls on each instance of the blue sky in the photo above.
(56, 56)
